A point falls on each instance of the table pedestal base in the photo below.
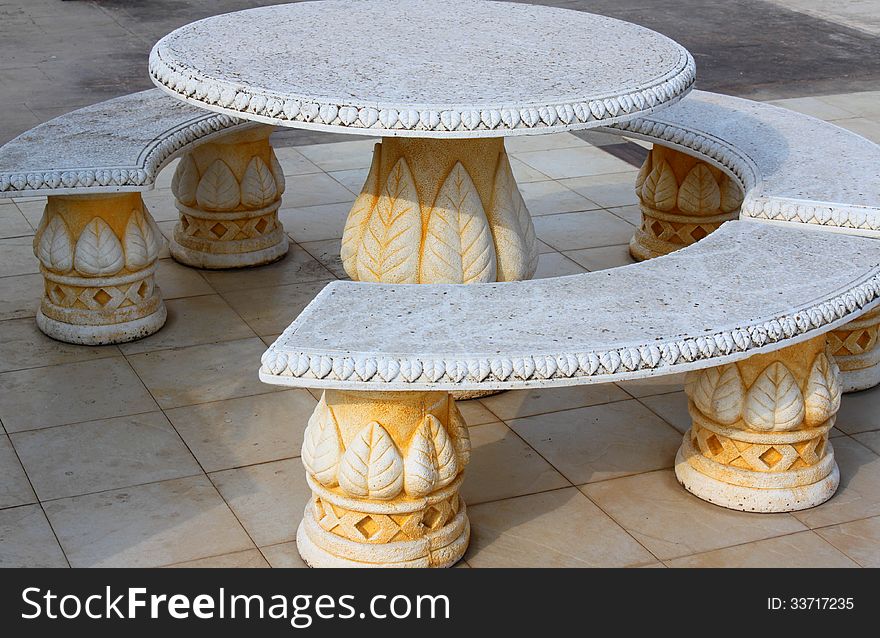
(439, 211)
(228, 194)
(856, 348)
(682, 200)
(759, 435)
(385, 470)
(97, 255)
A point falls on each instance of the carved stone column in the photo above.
(385, 469)
(228, 194)
(759, 435)
(98, 254)
(439, 211)
(856, 347)
(682, 199)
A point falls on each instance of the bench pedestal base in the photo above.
(759, 435)
(682, 200)
(98, 255)
(856, 348)
(385, 470)
(228, 194)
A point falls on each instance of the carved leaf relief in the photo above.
(55, 249)
(731, 195)
(516, 247)
(447, 464)
(185, 181)
(420, 464)
(322, 446)
(258, 185)
(461, 437)
(389, 247)
(98, 251)
(660, 189)
(774, 402)
(357, 219)
(822, 394)
(371, 466)
(141, 242)
(644, 170)
(718, 393)
(218, 189)
(277, 173)
(458, 245)
(699, 192)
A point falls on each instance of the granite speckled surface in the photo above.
(747, 288)
(112, 146)
(459, 68)
(793, 167)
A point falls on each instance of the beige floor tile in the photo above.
(70, 460)
(268, 499)
(520, 403)
(313, 189)
(15, 489)
(869, 439)
(671, 522)
(630, 214)
(293, 162)
(239, 432)
(672, 408)
(523, 173)
(804, 549)
(601, 258)
(475, 413)
(160, 204)
(574, 162)
(327, 253)
(552, 529)
(601, 442)
(247, 559)
(353, 179)
(338, 156)
(556, 265)
(814, 107)
(863, 103)
(609, 190)
(550, 197)
(176, 280)
(166, 175)
(859, 493)
(502, 466)
(653, 385)
(26, 540)
(270, 310)
(18, 257)
(32, 209)
(314, 223)
(20, 296)
(12, 222)
(70, 393)
(859, 411)
(283, 555)
(865, 127)
(199, 374)
(860, 540)
(296, 267)
(572, 231)
(524, 143)
(146, 526)
(544, 248)
(24, 346)
(193, 321)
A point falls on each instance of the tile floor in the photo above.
(169, 451)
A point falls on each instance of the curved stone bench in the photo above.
(745, 312)
(714, 154)
(97, 243)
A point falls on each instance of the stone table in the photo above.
(442, 84)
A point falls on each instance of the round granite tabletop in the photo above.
(422, 68)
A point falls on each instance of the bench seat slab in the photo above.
(385, 470)
(98, 256)
(759, 431)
